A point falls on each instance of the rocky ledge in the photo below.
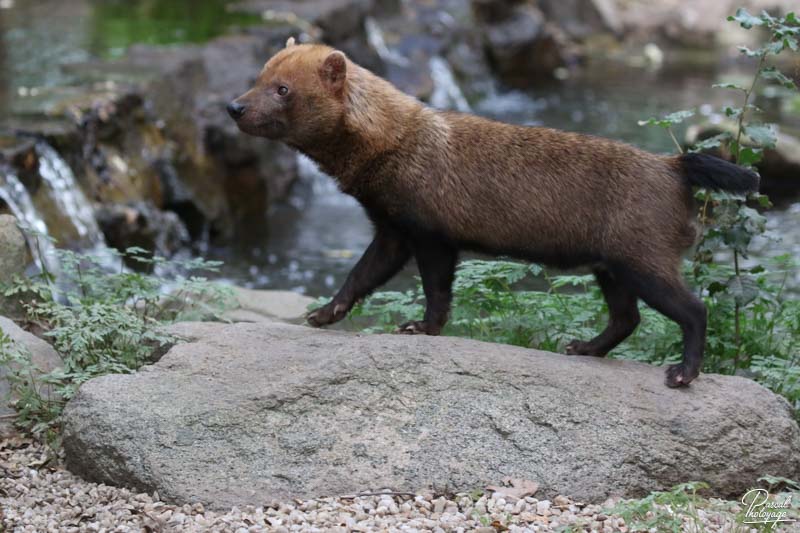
(255, 412)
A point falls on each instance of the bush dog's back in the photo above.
(436, 182)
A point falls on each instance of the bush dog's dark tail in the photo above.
(712, 172)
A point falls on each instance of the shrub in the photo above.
(100, 319)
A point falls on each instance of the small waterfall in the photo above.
(446, 92)
(66, 193)
(16, 196)
(316, 186)
(378, 43)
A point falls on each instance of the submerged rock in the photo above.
(246, 413)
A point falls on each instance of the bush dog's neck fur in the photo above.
(436, 182)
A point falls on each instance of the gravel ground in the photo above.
(35, 496)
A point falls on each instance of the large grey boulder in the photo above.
(251, 412)
(43, 357)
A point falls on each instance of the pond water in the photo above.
(38, 38)
(318, 235)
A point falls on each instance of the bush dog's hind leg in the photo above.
(384, 257)
(669, 296)
(623, 316)
(437, 266)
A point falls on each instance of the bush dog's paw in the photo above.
(680, 375)
(329, 313)
(418, 327)
(577, 347)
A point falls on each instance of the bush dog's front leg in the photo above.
(384, 257)
(437, 264)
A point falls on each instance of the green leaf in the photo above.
(745, 19)
(749, 156)
(752, 53)
(775, 47)
(743, 289)
(733, 86)
(772, 73)
(764, 135)
(712, 142)
(733, 112)
(670, 120)
(535, 269)
(767, 18)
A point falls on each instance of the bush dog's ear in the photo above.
(334, 71)
(289, 42)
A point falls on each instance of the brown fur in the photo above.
(435, 182)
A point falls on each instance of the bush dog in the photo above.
(437, 182)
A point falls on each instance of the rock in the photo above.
(494, 11)
(162, 136)
(694, 23)
(243, 305)
(522, 48)
(583, 18)
(14, 257)
(142, 225)
(20, 155)
(259, 305)
(43, 356)
(339, 23)
(411, 40)
(232, 177)
(247, 413)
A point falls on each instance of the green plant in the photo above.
(727, 220)
(679, 509)
(674, 510)
(101, 320)
(763, 338)
(731, 222)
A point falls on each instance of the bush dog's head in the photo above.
(298, 97)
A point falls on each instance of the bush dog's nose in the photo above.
(236, 110)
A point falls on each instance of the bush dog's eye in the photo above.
(283, 90)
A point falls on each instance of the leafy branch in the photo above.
(726, 219)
